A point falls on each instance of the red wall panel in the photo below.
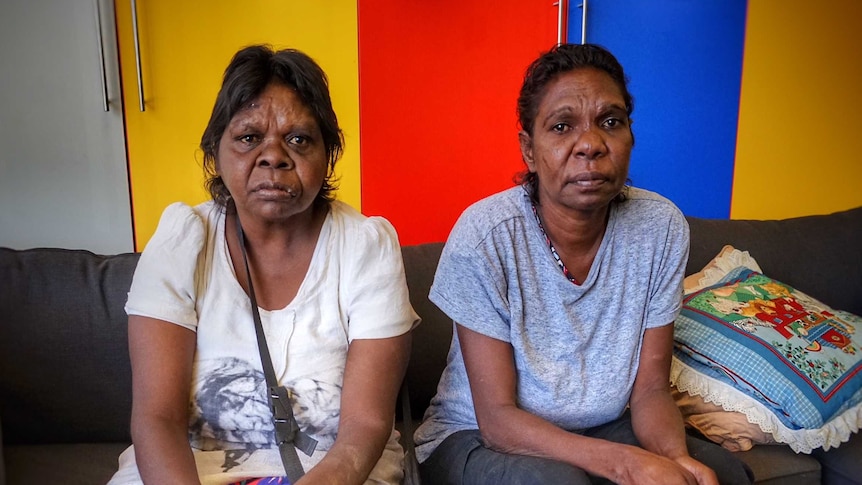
(438, 83)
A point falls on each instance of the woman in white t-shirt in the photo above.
(329, 285)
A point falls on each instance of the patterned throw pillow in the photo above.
(792, 364)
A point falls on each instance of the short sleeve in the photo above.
(665, 300)
(468, 283)
(378, 303)
(163, 286)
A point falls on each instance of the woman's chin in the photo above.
(275, 210)
(589, 200)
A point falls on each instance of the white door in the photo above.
(63, 172)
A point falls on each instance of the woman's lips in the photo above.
(590, 179)
(274, 191)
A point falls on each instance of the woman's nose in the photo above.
(274, 154)
(590, 144)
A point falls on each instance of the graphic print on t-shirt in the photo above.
(229, 410)
(319, 402)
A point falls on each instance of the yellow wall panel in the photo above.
(799, 148)
(185, 47)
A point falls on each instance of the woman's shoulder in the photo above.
(185, 226)
(649, 216)
(182, 214)
(499, 205)
(644, 196)
(484, 217)
(166, 284)
(642, 203)
(178, 214)
(356, 227)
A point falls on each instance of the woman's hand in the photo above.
(703, 473)
(641, 467)
(646, 468)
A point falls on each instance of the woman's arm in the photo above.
(509, 429)
(162, 354)
(372, 377)
(656, 419)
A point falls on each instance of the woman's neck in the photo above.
(573, 230)
(575, 237)
(278, 255)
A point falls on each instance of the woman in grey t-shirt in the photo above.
(563, 292)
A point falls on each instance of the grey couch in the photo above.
(65, 386)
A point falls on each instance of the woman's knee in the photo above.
(463, 459)
(528, 470)
(446, 464)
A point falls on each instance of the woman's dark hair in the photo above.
(561, 59)
(250, 71)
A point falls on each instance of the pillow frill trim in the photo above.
(727, 260)
(834, 432)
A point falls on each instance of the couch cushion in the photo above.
(818, 255)
(78, 464)
(779, 465)
(64, 362)
(432, 337)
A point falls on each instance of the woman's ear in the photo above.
(631, 132)
(527, 150)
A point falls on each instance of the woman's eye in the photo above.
(560, 127)
(612, 123)
(297, 140)
(248, 138)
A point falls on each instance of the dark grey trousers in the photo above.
(462, 459)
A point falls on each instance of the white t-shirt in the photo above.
(354, 288)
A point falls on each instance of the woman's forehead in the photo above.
(580, 87)
(281, 101)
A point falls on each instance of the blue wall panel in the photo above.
(684, 62)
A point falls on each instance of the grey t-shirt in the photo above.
(576, 347)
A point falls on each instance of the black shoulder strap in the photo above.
(287, 432)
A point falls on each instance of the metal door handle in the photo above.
(562, 20)
(583, 22)
(138, 55)
(102, 74)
